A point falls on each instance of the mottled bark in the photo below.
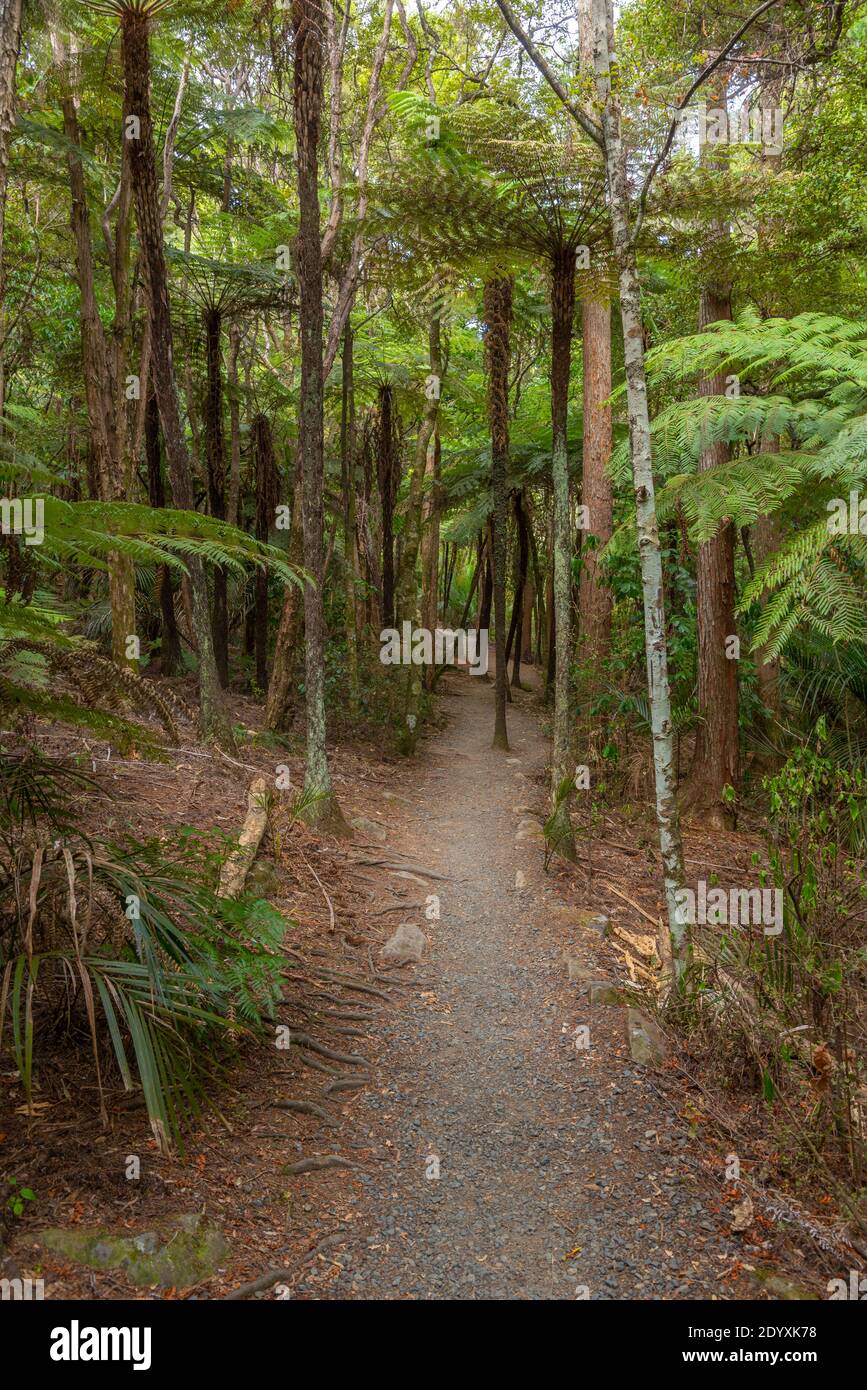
(604, 59)
(350, 549)
(262, 444)
(715, 759)
(408, 607)
(560, 831)
(143, 171)
(170, 642)
(307, 19)
(498, 321)
(594, 595)
(215, 459)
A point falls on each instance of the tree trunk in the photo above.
(388, 480)
(523, 598)
(233, 504)
(430, 550)
(143, 170)
(498, 320)
(650, 557)
(307, 110)
(289, 628)
(170, 642)
(10, 42)
(715, 759)
(266, 503)
(408, 590)
(594, 596)
(215, 457)
(350, 548)
(560, 832)
(104, 422)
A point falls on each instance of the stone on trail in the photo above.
(184, 1251)
(646, 1043)
(578, 973)
(604, 992)
(406, 945)
(580, 917)
(520, 879)
(372, 828)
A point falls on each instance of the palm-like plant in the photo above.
(157, 963)
(803, 380)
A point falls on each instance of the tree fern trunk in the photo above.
(498, 318)
(560, 831)
(143, 170)
(215, 456)
(307, 17)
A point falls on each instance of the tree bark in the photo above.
(594, 595)
(215, 458)
(715, 758)
(408, 589)
(143, 170)
(350, 546)
(388, 481)
(671, 847)
(170, 642)
(307, 16)
(498, 320)
(560, 832)
(266, 501)
(104, 417)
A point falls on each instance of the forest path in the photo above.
(560, 1170)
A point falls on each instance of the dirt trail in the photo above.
(562, 1172)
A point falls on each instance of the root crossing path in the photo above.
(515, 1164)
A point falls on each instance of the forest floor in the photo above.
(476, 1149)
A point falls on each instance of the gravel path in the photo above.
(562, 1173)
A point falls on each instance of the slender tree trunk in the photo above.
(289, 628)
(671, 847)
(523, 598)
(430, 549)
(498, 320)
(215, 455)
(408, 589)
(715, 759)
(104, 422)
(233, 505)
(527, 606)
(594, 596)
(560, 832)
(388, 479)
(307, 16)
(10, 42)
(350, 549)
(138, 125)
(266, 502)
(170, 642)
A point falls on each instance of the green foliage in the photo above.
(132, 935)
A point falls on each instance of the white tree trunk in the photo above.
(642, 474)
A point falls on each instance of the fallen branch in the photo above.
(318, 1162)
(233, 874)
